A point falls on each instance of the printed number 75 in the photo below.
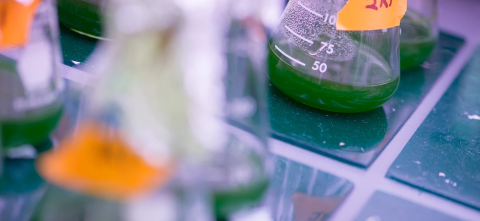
(330, 47)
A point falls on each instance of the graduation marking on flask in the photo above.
(299, 36)
(290, 57)
(331, 20)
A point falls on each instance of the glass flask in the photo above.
(419, 33)
(82, 16)
(340, 71)
(125, 122)
(304, 193)
(125, 159)
(225, 80)
(30, 85)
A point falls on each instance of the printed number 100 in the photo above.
(319, 67)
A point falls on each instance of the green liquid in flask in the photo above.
(25, 117)
(30, 129)
(230, 201)
(327, 91)
(239, 197)
(83, 16)
(417, 41)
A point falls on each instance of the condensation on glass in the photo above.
(340, 71)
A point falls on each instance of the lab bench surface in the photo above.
(441, 158)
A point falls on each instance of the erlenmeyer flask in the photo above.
(120, 163)
(82, 16)
(227, 93)
(340, 71)
(30, 87)
(122, 141)
(419, 33)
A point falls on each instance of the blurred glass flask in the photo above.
(30, 85)
(419, 33)
(225, 80)
(122, 140)
(135, 124)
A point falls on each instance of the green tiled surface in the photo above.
(19, 177)
(358, 138)
(383, 206)
(443, 156)
(364, 135)
(297, 190)
(303, 193)
(75, 47)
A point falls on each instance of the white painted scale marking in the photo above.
(299, 36)
(290, 57)
(332, 20)
(310, 10)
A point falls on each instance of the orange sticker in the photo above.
(99, 162)
(366, 15)
(15, 20)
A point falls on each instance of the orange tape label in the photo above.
(97, 161)
(15, 20)
(366, 15)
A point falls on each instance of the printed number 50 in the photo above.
(319, 67)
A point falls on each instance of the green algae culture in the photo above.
(339, 71)
(417, 40)
(26, 117)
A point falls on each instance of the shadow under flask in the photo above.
(340, 71)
